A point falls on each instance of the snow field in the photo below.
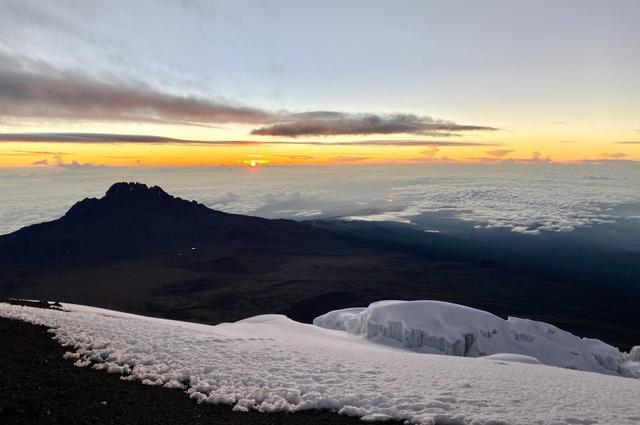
(270, 363)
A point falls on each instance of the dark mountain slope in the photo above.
(135, 221)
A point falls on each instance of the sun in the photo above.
(254, 163)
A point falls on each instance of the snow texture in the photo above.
(271, 363)
(510, 357)
(438, 327)
(634, 355)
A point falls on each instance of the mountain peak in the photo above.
(135, 190)
(129, 199)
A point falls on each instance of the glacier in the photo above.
(271, 363)
(438, 327)
(634, 355)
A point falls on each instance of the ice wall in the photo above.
(444, 328)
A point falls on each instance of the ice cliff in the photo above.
(443, 328)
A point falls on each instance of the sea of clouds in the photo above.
(522, 198)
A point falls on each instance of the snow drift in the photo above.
(271, 363)
(443, 328)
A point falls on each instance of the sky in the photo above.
(261, 83)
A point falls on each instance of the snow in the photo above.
(438, 327)
(510, 357)
(634, 355)
(271, 363)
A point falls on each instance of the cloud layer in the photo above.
(150, 139)
(525, 202)
(327, 123)
(71, 96)
(499, 153)
(614, 155)
(521, 199)
(35, 90)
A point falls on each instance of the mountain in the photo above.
(136, 221)
(139, 249)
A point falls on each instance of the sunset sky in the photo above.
(158, 83)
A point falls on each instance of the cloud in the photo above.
(349, 158)
(294, 157)
(614, 155)
(525, 200)
(328, 123)
(429, 155)
(63, 95)
(75, 165)
(150, 139)
(536, 157)
(96, 138)
(431, 152)
(42, 162)
(631, 142)
(499, 153)
(71, 96)
(398, 143)
(524, 203)
(42, 153)
(31, 153)
(37, 90)
(427, 143)
(608, 161)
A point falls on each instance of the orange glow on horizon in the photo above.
(512, 149)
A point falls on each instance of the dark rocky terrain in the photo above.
(141, 250)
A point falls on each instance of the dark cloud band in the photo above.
(97, 138)
(326, 123)
(499, 153)
(31, 90)
(67, 96)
